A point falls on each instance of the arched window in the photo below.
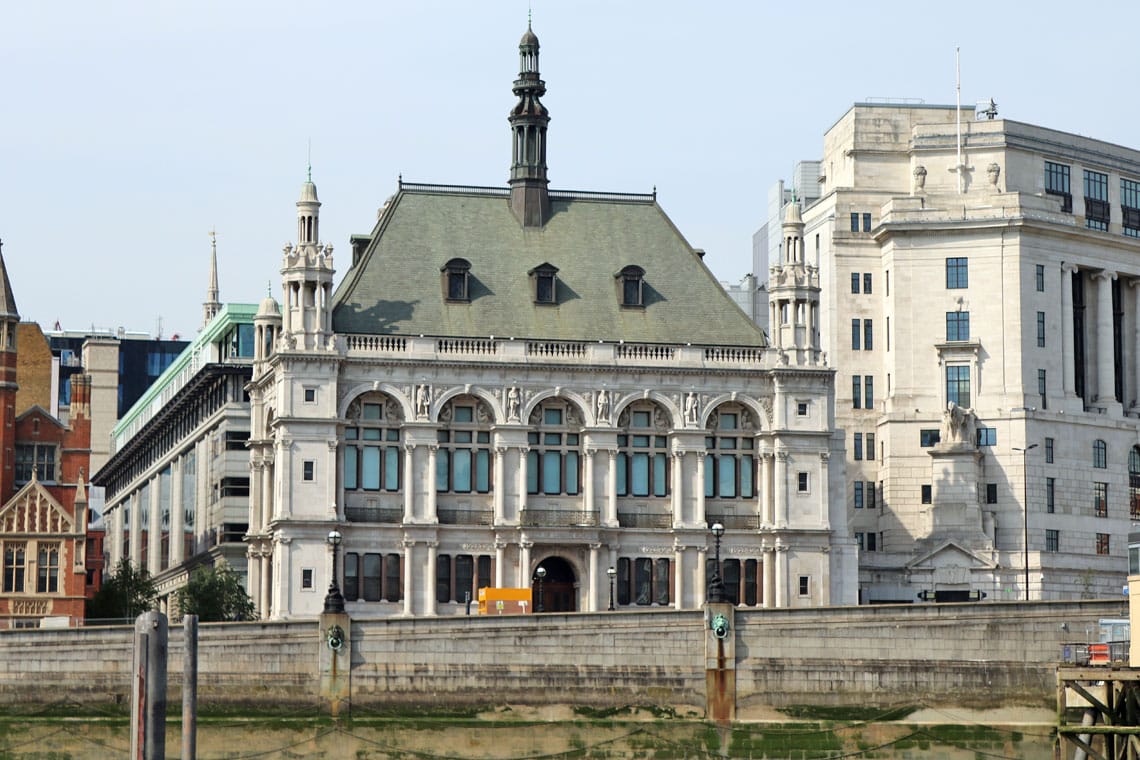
(456, 274)
(554, 459)
(463, 463)
(371, 459)
(730, 461)
(1134, 483)
(1100, 454)
(643, 451)
(632, 280)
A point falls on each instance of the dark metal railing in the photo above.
(734, 521)
(645, 519)
(558, 518)
(465, 516)
(374, 514)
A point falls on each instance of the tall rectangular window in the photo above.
(926, 494)
(857, 448)
(854, 221)
(991, 493)
(854, 282)
(866, 222)
(1130, 207)
(868, 332)
(856, 391)
(870, 446)
(858, 486)
(1102, 543)
(1041, 329)
(870, 489)
(1052, 540)
(957, 272)
(1057, 183)
(958, 385)
(856, 333)
(1049, 451)
(1050, 495)
(1100, 499)
(1096, 200)
(866, 282)
(957, 325)
(1040, 278)
(868, 392)
(1041, 389)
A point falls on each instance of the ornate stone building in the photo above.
(514, 378)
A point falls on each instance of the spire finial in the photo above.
(310, 161)
(269, 288)
(529, 9)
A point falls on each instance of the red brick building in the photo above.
(43, 498)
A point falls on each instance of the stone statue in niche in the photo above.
(958, 424)
(573, 418)
(993, 172)
(659, 420)
(603, 404)
(919, 179)
(692, 409)
(482, 412)
(423, 401)
(392, 410)
(513, 400)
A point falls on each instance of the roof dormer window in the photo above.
(632, 279)
(456, 280)
(545, 279)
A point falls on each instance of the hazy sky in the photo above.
(129, 129)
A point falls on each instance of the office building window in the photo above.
(987, 436)
(802, 482)
(1040, 329)
(1040, 278)
(856, 391)
(1102, 543)
(856, 333)
(1042, 388)
(1096, 200)
(1130, 207)
(308, 471)
(929, 437)
(1050, 495)
(1134, 483)
(854, 282)
(867, 335)
(858, 486)
(859, 540)
(730, 465)
(1100, 499)
(1048, 451)
(872, 544)
(991, 493)
(857, 447)
(870, 493)
(888, 336)
(958, 272)
(868, 392)
(926, 494)
(870, 446)
(1052, 540)
(958, 385)
(866, 222)
(867, 282)
(957, 325)
(1057, 183)
(1100, 454)
(854, 221)
(805, 585)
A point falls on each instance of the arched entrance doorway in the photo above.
(558, 586)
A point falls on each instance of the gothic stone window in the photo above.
(643, 451)
(457, 280)
(15, 564)
(554, 460)
(463, 463)
(730, 461)
(371, 459)
(47, 569)
(35, 457)
(632, 280)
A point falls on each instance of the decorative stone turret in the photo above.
(267, 328)
(307, 275)
(530, 199)
(793, 296)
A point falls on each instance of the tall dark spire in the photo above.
(530, 200)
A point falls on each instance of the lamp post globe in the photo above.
(540, 574)
(334, 600)
(611, 571)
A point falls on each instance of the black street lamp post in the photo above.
(334, 600)
(716, 585)
(540, 573)
(611, 572)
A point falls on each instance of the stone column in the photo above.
(765, 500)
(702, 576)
(611, 520)
(432, 576)
(256, 491)
(431, 513)
(677, 483)
(524, 565)
(134, 549)
(266, 562)
(409, 573)
(253, 578)
(781, 555)
(678, 577)
(592, 583)
(500, 485)
(769, 575)
(1068, 377)
(824, 490)
(117, 535)
(409, 488)
(780, 489)
(524, 465)
(1105, 354)
(588, 486)
(699, 487)
(500, 563)
(283, 573)
(154, 532)
(177, 519)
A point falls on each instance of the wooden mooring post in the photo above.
(148, 688)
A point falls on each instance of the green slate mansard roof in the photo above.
(397, 288)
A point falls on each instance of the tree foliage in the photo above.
(127, 593)
(215, 594)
